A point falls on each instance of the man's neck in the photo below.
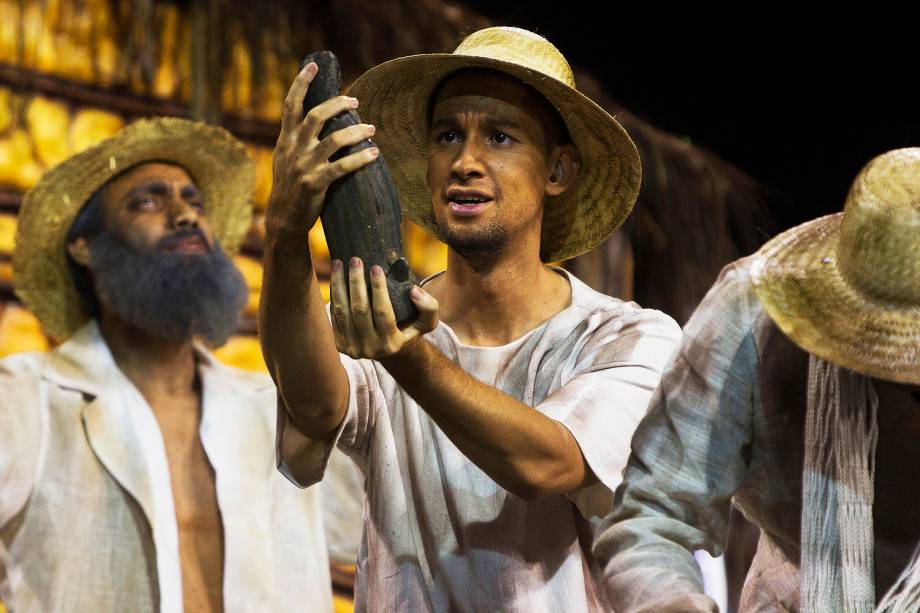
(156, 366)
(494, 305)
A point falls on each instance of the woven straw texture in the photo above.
(395, 96)
(215, 159)
(846, 287)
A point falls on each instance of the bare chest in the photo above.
(195, 499)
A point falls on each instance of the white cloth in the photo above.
(440, 535)
(87, 521)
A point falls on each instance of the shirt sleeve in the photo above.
(617, 368)
(20, 431)
(303, 460)
(687, 460)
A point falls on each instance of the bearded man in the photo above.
(794, 396)
(489, 445)
(136, 472)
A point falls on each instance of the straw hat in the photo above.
(216, 161)
(846, 287)
(395, 98)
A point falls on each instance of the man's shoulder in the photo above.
(609, 310)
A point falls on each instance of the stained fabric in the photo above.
(440, 534)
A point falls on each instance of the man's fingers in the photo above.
(352, 135)
(341, 310)
(357, 295)
(350, 163)
(324, 111)
(292, 111)
(384, 318)
(427, 310)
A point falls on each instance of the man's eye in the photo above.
(500, 138)
(449, 136)
(145, 202)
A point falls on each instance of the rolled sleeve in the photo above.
(618, 368)
(687, 460)
(303, 460)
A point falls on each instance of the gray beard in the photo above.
(169, 295)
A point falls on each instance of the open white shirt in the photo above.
(87, 520)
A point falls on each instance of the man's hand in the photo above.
(301, 170)
(365, 332)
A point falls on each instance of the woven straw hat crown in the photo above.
(846, 287)
(395, 96)
(520, 47)
(879, 251)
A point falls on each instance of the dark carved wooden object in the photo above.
(362, 215)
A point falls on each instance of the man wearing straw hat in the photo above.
(794, 395)
(136, 472)
(490, 445)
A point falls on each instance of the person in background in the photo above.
(136, 472)
(795, 396)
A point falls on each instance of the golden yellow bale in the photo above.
(426, 254)
(48, 121)
(18, 168)
(7, 233)
(90, 126)
(262, 156)
(318, 246)
(20, 331)
(10, 14)
(242, 352)
(6, 108)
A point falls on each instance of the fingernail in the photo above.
(371, 129)
(336, 265)
(374, 152)
(416, 293)
(311, 68)
(355, 263)
(354, 102)
(376, 271)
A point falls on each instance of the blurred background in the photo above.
(747, 123)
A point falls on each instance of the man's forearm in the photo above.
(524, 451)
(297, 340)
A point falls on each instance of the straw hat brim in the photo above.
(395, 97)
(797, 279)
(214, 158)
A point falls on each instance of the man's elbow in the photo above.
(549, 479)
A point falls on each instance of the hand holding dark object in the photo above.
(362, 215)
(362, 331)
(302, 165)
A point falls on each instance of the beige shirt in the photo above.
(440, 534)
(727, 426)
(87, 521)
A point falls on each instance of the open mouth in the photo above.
(466, 205)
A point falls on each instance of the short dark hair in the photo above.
(88, 223)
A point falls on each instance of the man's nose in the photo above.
(468, 162)
(184, 215)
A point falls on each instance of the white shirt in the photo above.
(87, 521)
(440, 534)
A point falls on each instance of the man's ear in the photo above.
(79, 251)
(563, 169)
